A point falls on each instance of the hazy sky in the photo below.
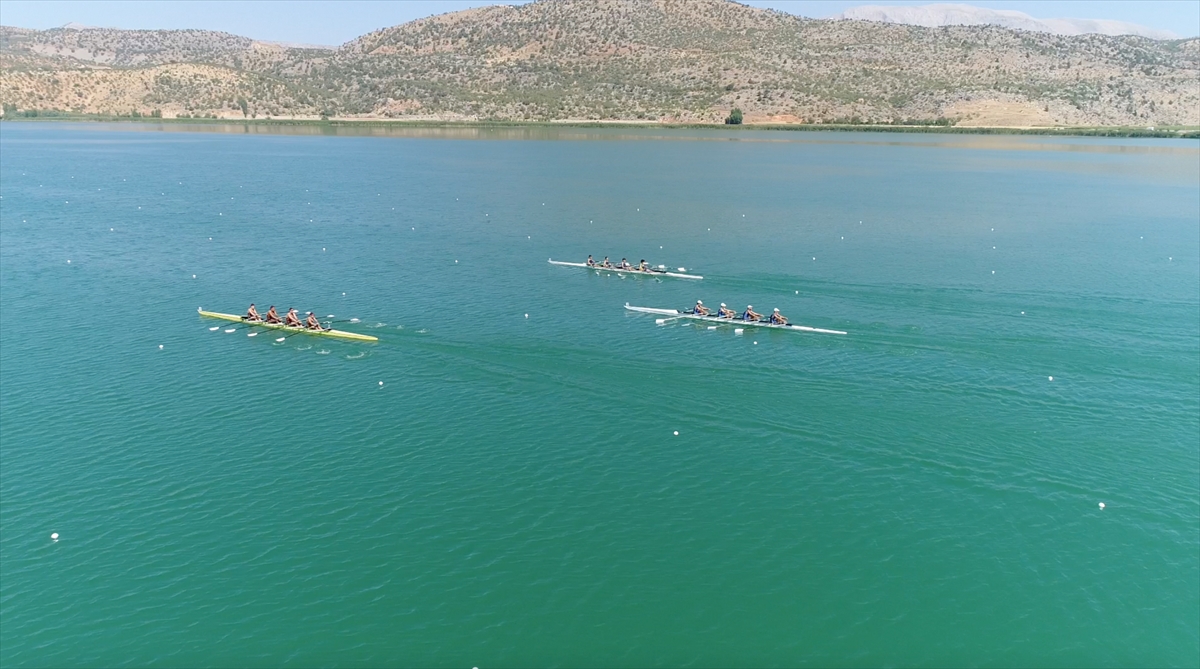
(334, 22)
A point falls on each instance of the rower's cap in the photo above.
(310, 313)
(776, 309)
(722, 304)
(699, 301)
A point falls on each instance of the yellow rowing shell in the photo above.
(337, 334)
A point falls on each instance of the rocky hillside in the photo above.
(650, 60)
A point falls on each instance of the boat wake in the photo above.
(356, 357)
(323, 352)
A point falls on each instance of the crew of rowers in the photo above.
(642, 265)
(291, 319)
(749, 314)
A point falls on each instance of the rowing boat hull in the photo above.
(635, 272)
(336, 334)
(675, 313)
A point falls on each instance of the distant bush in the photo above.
(734, 118)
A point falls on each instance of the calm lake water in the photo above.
(917, 492)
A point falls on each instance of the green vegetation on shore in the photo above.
(1172, 132)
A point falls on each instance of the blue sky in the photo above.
(334, 22)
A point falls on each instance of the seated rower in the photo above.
(700, 309)
(273, 317)
(292, 319)
(643, 266)
(778, 318)
(590, 262)
(725, 312)
(312, 323)
(751, 315)
(605, 263)
(624, 264)
(252, 314)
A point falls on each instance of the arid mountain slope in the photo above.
(674, 60)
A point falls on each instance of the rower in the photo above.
(624, 264)
(273, 317)
(751, 315)
(590, 262)
(778, 318)
(292, 319)
(643, 266)
(312, 323)
(726, 312)
(605, 263)
(252, 314)
(700, 309)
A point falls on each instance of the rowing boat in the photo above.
(618, 270)
(675, 313)
(337, 334)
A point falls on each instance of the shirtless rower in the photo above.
(312, 323)
(590, 262)
(778, 318)
(725, 312)
(605, 263)
(751, 314)
(292, 319)
(252, 314)
(273, 317)
(700, 309)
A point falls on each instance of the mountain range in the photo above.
(681, 61)
(943, 14)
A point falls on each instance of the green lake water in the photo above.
(917, 492)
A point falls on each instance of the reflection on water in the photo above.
(584, 132)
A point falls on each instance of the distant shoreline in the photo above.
(1168, 132)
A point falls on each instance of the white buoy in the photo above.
(526, 315)
(110, 230)
(676, 433)
(1022, 313)
(322, 249)
(756, 343)
(210, 239)
(660, 247)
(68, 261)
(1101, 506)
(993, 271)
(639, 209)
(193, 276)
(343, 294)
(455, 262)
(814, 257)
(54, 535)
(1051, 378)
(797, 292)
(381, 384)
(160, 347)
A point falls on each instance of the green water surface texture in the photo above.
(918, 492)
